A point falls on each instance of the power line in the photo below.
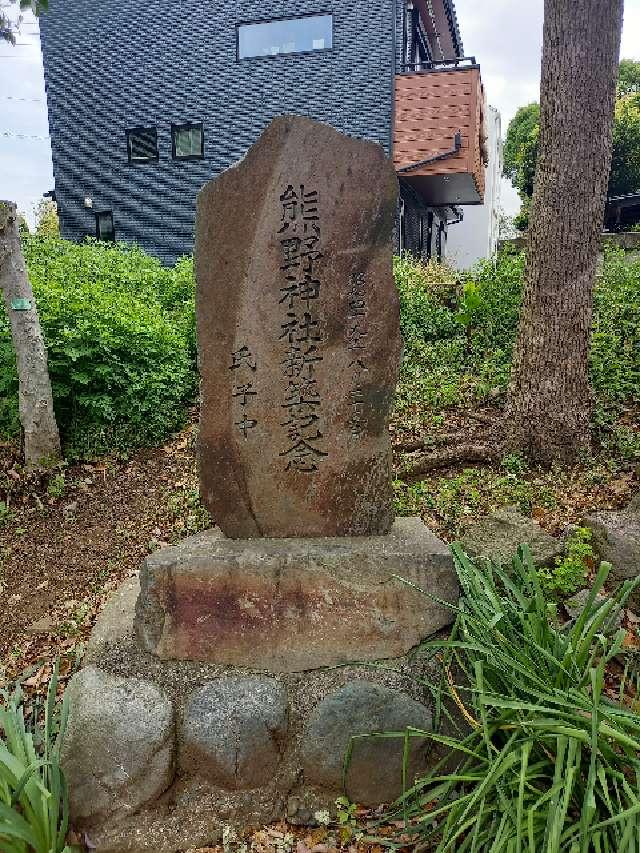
(23, 100)
(12, 135)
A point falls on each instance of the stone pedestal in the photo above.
(251, 665)
(289, 605)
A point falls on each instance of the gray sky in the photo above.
(504, 35)
(506, 38)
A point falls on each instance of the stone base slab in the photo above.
(165, 756)
(289, 605)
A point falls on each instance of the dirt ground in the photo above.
(69, 536)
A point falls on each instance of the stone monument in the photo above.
(298, 324)
(251, 662)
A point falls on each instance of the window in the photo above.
(104, 226)
(187, 141)
(402, 228)
(441, 239)
(142, 144)
(429, 234)
(285, 35)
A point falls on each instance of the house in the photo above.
(476, 237)
(622, 212)
(148, 102)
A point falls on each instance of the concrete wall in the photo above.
(111, 66)
(629, 241)
(476, 237)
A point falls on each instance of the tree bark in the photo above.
(41, 439)
(549, 401)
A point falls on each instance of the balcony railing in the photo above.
(439, 64)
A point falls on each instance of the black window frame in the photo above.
(439, 241)
(98, 214)
(317, 14)
(187, 125)
(135, 161)
(429, 235)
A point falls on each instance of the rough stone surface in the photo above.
(498, 536)
(234, 731)
(575, 605)
(45, 625)
(114, 622)
(192, 811)
(616, 537)
(298, 329)
(375, 771)
(119, 750)
(296, 604)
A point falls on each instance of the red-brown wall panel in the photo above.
(430, 107)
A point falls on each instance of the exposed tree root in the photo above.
(489, 420)
(469, 453)
(431, 441)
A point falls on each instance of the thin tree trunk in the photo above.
(549, 403)
(40, 431)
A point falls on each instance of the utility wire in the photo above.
(23, 100)
(10, 134)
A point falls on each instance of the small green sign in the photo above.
(21, 304)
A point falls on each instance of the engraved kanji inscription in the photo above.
(298, 336)
(356, 335)
(245, 425)
(242, 358)
(301, 327)
(243, 391)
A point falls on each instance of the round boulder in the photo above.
(374, 774)
(119, 748)
(234, 730)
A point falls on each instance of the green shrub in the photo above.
(615, 341)
(120, 331)
(547, 761)
(568, 574)
(434, 342)
(9, 420)
(34, 802)
(459, 336)
(120, 335)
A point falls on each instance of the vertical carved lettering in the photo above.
(301, 328)
(356, 334)
(242, 360)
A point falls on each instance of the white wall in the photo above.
(476, 236)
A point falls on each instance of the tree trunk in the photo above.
(549, 403)
(40, 431)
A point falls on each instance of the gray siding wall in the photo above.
(111, 66)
